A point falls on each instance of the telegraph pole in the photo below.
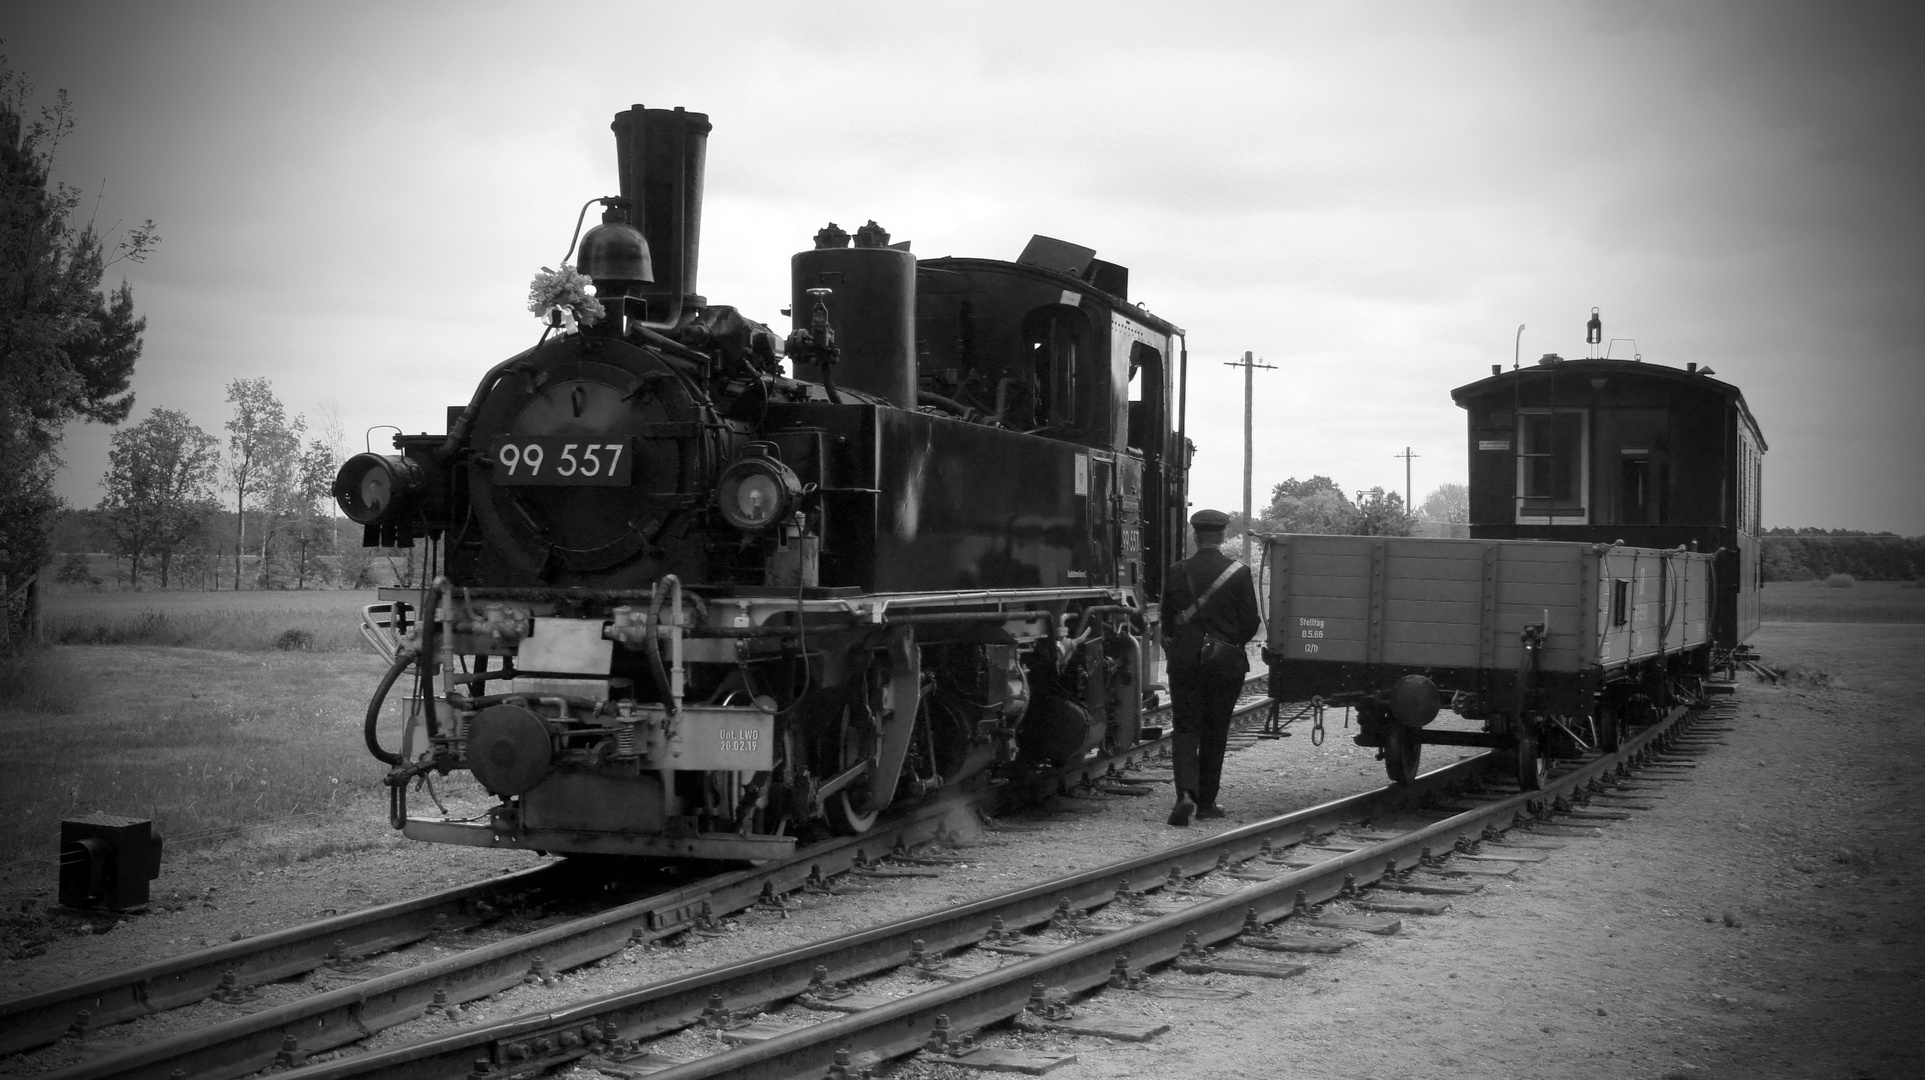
(1407, 455)
(1249, 365)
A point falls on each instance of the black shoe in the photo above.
(1184, 808)
(1211, 811)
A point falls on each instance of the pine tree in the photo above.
(67, 350)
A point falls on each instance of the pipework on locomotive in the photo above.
(684, 602)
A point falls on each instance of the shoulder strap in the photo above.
(1194, 609)
(1228, 572)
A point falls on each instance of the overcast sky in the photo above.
(1370, 196)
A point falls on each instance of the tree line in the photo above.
(1812, 554)
(68, 347)
(279, 529)
(1320, 505)
(90, 557)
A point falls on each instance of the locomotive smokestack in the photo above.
(660, 154)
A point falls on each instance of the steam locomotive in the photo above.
(686, 603)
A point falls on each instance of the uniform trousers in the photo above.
(1200, 705)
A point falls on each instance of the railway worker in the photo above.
(1209, 615)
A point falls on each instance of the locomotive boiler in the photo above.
(697, 588)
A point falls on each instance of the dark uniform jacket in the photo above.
(1231, 615)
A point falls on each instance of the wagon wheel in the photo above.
(1610, 728)
(1530, 766)
(1403, 753)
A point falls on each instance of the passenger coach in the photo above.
(1618, 450)
(1612, 564)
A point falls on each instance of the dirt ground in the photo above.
(1762, 921)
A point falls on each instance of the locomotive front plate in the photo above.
(553, 460)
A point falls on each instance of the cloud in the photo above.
(1372, 197)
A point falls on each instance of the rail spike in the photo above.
(1253, 926)
(844, 1068)
(938, 1041)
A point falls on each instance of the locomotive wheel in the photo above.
(1530, 766)
(1610, 728)
(1403, 753)
(844, 808)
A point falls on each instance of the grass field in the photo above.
(1863, 602)
(206, 711)
(199, 740)
(180, 707)
(317, 621)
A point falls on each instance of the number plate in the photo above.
(560, 460)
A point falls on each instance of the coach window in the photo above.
(1552, 471)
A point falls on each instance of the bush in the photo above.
(1841, 581)
(75, 570)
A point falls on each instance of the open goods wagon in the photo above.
(1556, 646)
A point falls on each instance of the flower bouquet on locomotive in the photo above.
(684, 602)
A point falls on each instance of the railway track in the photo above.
(609, 1027)
(1285, 874)
(1162, 908)
(369, 996)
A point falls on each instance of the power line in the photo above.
(1407, 455)
(1249, 365)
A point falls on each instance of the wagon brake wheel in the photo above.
(1530, 766)
(1403, 753)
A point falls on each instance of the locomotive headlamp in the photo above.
(376, 488)
(757, 490)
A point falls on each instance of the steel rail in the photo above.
(664, 1007)
(40, 1018)
(528, 1044)
(348, 1014)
